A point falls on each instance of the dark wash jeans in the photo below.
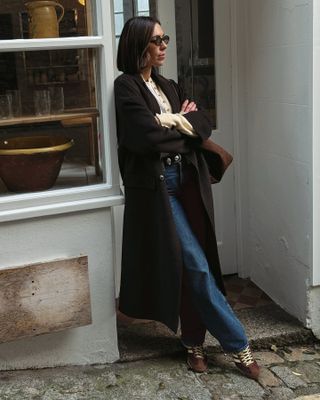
(203, 306)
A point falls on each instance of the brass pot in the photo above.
(32, 163)
(43, 19)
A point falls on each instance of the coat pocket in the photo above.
(139, 181)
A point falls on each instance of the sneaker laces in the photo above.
(244, 357)
(197, 351)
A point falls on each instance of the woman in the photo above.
(170, 264)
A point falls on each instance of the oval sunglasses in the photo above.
(157, 40)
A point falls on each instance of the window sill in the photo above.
(43, 210)
(38, 204)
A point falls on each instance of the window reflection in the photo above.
(196, 55)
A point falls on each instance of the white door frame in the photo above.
(238, 17)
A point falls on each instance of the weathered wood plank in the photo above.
(45, 297)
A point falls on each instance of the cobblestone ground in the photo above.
(287, 373)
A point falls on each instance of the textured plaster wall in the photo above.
(64, 236)
(313, 321)
(279, 134)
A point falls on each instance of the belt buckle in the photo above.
(174, 159)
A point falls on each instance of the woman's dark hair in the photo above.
(133, 44)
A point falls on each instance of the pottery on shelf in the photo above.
(43, 19)
(32, 163)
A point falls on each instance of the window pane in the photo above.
(36, 19)
(143, 5)
(118, 20)
(118, 6)
(144, 13)
(125, 9)
(52, 93)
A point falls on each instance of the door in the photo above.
(201, 31)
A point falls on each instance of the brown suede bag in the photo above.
(217, 159)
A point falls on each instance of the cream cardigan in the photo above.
(167, 118)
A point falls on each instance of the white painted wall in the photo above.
(314, 292)
(63, 236)
(117, 220)
(316, 144)
(278, 133)
(166, 15)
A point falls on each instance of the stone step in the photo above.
(266, 326)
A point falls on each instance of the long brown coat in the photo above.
(151, 256)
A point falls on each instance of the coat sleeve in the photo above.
(138, 129)
(200, 120)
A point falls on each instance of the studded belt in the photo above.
(172, 159)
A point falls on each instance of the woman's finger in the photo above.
(188, 106)
(184, 105)
(191, 106)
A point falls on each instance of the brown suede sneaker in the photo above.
(197, 358)
(246, 363)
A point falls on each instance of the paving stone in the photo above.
(310, 372)
(217, 384)
(220, 360)
(151, 379)
(288, 377)
(232, 397)
(167, 378)
(281, 393)
(243, 386)
(252, 398)
(268, 379)
(311, 389)
(305, 353)
(232, 384)
(267, 358)
(170, 380)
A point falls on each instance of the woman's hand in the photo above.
(188, 106)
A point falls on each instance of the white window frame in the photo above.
(57, 201)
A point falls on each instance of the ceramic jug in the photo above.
(43, 20)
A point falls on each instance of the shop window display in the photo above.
(51, 92)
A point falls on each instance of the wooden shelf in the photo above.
(34, 119)
(55, 83)
(69, 118)
(52, 66)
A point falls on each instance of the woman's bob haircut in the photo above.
(133, 44)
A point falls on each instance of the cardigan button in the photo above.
(161, 177)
